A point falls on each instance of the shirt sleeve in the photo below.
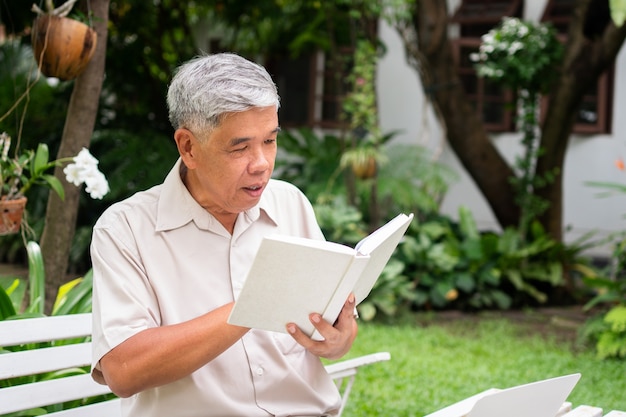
(123, 300)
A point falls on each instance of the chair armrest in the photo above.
(349, 366)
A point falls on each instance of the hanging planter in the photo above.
(63, 46)
(363, 160)
(11, 213)
(25, 169)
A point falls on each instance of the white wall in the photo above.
(588, 158)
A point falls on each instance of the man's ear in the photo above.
(187, 145)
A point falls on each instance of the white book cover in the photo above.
(536, 399)
(292, 277)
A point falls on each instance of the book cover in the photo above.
(292, 277)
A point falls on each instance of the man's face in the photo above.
(232, 167)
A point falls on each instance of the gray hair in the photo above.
(208, 87)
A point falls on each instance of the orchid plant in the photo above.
(523, 56)
(19, 173)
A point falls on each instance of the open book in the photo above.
(545, 398)
(292, 277)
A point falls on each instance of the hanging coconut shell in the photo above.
(365, 169)
(63, 46)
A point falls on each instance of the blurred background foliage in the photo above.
(443, 263)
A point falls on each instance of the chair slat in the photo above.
(17, 332)
(55, 391)
(585, 411)
(111, 408)
(37, 361)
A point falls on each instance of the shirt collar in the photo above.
(177, 207)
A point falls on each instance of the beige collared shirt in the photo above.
(159, 258)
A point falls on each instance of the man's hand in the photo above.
(338, 338)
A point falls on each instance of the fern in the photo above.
(616, 318)
(612, 342)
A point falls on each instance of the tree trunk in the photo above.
(585, 60)
(587, 55)
(433, 60)
(61, 215)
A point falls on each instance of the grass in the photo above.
(433, 365)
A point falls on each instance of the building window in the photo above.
(595, 112)
(486, 12)
(492, 102)
(312, 88)
(495, 104)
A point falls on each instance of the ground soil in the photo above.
(561, 324)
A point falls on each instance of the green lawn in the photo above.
(436, 365)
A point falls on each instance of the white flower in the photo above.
(85, 159)
(84, 169)
(522, 31)
(515, 46)
(97, 185)
(73, 174)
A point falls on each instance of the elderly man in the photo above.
(170, 261)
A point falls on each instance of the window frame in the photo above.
(469, 20)
(480, 98)
(474, 21)
(603, 95)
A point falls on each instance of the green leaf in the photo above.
(6, 305)
(616, 317)
(16, 292)
(618, 11)
(367, 311)
(64, 373)
(465, 282)
(55, 184)
(63, 292)
(434, 230)
(502, 299)
(36, 277)
(40, 163)
(75, 297)
(515, 277)
(467, 223)
(444, 255)
(473, 249)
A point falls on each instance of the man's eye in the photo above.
(270, 141)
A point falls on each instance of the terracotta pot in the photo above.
(11, 213)
(63, 47)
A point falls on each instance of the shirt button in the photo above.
(259, 371)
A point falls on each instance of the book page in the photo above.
(314, 243)
(378, 236)
(380, 245)
(339, 298)
(287, 282)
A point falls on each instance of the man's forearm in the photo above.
(162, 355)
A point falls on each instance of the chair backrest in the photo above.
(53, 370)
(49, 358)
